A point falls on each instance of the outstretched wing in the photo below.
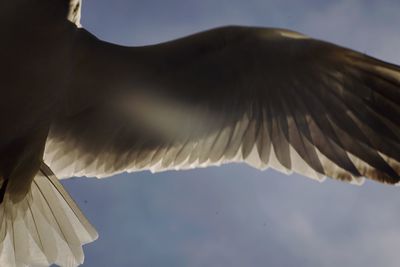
(267, 97)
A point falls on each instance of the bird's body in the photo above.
(83, 107)
(35, 68)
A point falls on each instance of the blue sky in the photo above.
(234, 215)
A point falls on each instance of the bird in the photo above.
(75, 105)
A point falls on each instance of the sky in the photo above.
(234, 215)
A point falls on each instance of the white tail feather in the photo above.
(46, 227)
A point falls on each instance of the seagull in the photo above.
(74, 105)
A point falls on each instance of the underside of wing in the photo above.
(267, 97)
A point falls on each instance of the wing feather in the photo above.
(233, 94)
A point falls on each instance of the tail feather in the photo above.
(46, 227)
